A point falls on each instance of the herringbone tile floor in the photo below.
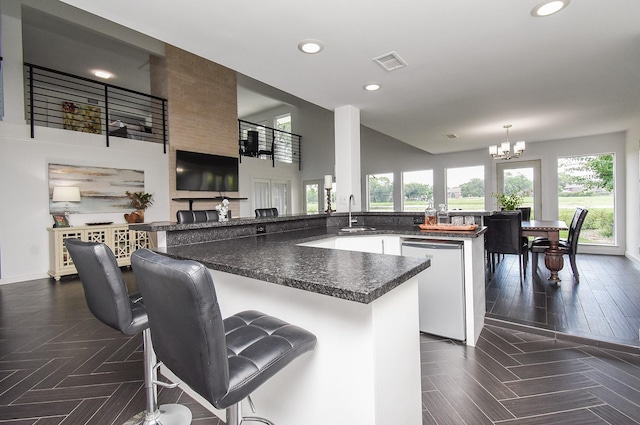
(61, 366)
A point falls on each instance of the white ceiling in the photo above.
(473, 66)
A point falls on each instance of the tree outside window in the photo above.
(589, 182)
(380, 192)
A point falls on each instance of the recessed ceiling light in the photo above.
(310, 46)
(549, 7)
(102, 74)
(372, 87)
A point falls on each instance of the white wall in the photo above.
(24, 210)
(313, 123)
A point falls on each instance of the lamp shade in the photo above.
(66, 194)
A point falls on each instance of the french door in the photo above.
(271, 194)
(524, 177)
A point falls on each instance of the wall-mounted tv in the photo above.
(206, 172)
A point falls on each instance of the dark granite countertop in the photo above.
(277, 258)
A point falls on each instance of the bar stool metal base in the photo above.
(234, 415)
(169, 414)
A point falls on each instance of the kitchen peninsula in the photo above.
(362, 306)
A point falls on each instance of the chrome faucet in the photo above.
(352, 201)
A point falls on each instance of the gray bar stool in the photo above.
(107, 298)
(222, 360)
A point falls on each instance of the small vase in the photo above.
(140, 218)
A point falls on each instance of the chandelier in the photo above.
(504, 150)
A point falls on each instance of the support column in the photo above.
(12, 63)
(347, 156)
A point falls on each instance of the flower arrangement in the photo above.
(223, 210)
(509, 202)
(140, 200)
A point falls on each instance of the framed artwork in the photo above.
(59, 220)
(103, 189)
(79, 117)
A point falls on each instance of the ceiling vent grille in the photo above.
(450, 136)
(390, 61)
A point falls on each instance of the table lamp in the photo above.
(66, 194)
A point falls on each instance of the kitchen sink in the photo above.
(357, 229)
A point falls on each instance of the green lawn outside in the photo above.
(598, 226)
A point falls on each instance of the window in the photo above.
(465, 188)
(312, 196)
(588, 182)
(380, 192)
(417, 189)
(521, 177)
(282, 138)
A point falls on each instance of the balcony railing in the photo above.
(60, 100)
(259, 141)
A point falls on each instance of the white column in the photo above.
(12, 63)
(347, 166)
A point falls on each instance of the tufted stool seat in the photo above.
(224, 361)
(107, 297)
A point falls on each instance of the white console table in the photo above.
(122, 241)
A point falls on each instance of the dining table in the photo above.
(550, 229)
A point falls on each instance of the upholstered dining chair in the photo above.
(568, 246)
(106, 294)
(224, 361)
(504, 236)
(266, 212)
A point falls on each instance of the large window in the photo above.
(283, 137)
(465, 188)
(417, 189)
(588, 182)
(380, 192)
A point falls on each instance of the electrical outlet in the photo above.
(261, 228)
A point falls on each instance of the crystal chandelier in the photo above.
(504, 150)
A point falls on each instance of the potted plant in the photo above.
(509, 202)
(140, 201)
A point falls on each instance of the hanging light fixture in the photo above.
(504, 150)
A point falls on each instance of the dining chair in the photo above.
(504, 236)
(266, 212)
(568, 246)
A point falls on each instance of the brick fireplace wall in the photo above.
(202, 114)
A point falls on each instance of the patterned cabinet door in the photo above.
(64, 259)
(139, 240)
(97, 234)
(121, 240)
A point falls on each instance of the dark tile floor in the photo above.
(604, 305)
(61, 366)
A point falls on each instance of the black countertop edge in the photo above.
(279, 259)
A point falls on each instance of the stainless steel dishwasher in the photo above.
(441, 286)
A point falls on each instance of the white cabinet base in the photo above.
(122, 241)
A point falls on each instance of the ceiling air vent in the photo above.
(450, 136)
(390, 61)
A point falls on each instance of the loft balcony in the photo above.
(60, 100)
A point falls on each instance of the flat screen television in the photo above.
(206, 172)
